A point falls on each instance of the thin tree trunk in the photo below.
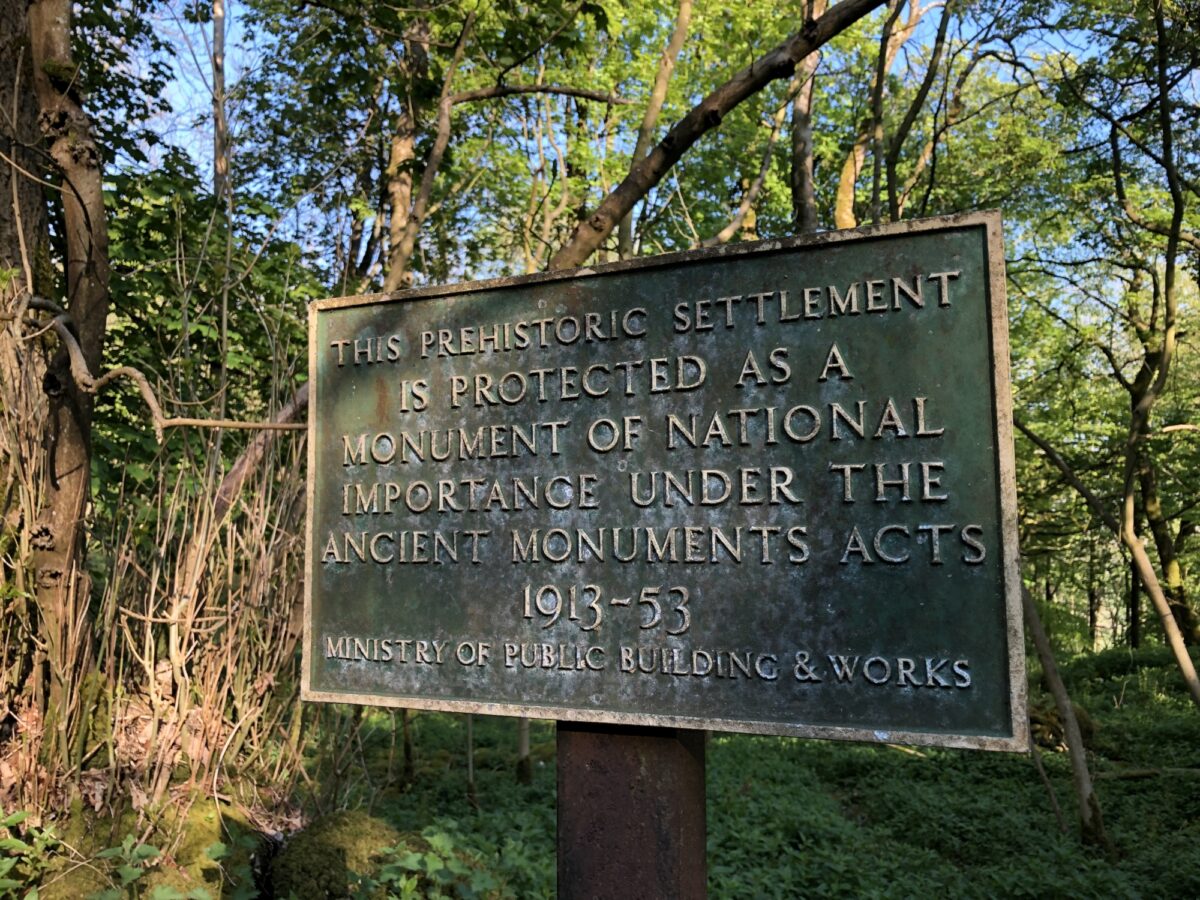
(877, 149)
(890, 42)
(1164, 543)
(658, 94)
(1126, 529)
(472, 796)
(1090, 819)
(220, 123)
(524, 760)
(23, 251)
(803, 171)
(1134, 612)
(744, 217)
(896, 144)
(1036, 755)
(22, 208)
(410, 764)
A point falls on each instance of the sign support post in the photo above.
(630, 812)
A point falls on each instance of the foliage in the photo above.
(189, 625)
(812, 818)
(130, 861)
(26, 855)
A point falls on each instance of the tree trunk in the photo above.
(658, 93)
(22, 207)
(890, 42)
(1126, 529)
(220, 123)
(1164, 543)
(23, 263)
(1090, 820)
(62, 584)
(524, 761)
(1134, 612)
(399, 192)
(804, 194)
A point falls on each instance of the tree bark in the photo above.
(889, 45)
(1164, 543)
(1134, 612)
(744, 217)
(896, 144)
(399, 192)
(22, 208)
(62, 591)
(706, 115)
(803, 172)
(220, 123)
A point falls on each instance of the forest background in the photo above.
(165, 215)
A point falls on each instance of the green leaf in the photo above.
(216, 850)
(129, 874)
(14, 819)
(145, 851)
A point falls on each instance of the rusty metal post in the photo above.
(630, 812)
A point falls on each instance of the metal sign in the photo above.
(763, 488)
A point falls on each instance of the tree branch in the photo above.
(756, 187)
(705, 116)
(86, 382)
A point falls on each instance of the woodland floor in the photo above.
(786, 818)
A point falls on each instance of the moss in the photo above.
(318, 862)
(189, 865)
(61, 73)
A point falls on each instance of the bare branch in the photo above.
(756, 187)
(83, 378)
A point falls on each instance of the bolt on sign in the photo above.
(766, 488)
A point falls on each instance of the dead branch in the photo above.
(86, 382)
(1090, 818)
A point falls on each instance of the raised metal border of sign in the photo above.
(990, 221)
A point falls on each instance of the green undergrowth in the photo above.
(791, 818)
(786, 818)
(97, 857)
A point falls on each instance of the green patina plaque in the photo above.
(761, 488)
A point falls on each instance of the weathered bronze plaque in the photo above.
(762, 488)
